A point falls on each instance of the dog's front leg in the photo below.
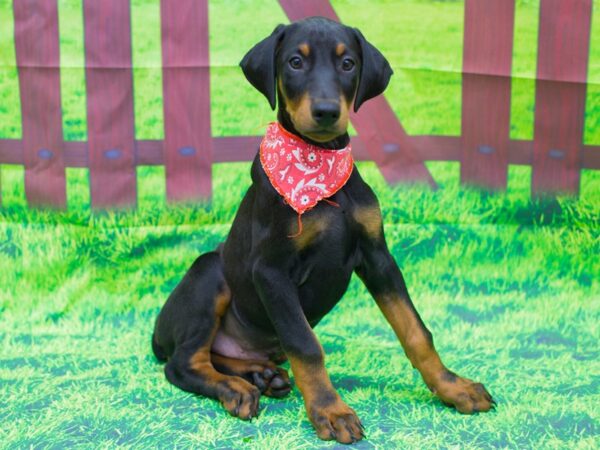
(384, 280)
(330, 416)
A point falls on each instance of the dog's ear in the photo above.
(375, 72)
(259, 64)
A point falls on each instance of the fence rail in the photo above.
(111, 153)
(149, 152)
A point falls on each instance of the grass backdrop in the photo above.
(509, 286)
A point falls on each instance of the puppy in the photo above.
(306, 224)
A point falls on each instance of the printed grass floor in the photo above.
(508, 286)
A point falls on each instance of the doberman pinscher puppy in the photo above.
(247, 306)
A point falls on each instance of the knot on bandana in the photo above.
(302, 173)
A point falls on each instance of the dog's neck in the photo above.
(285, 120)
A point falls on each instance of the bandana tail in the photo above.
(331, 202)
(299, 232)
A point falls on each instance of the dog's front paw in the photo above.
(336, 421)
(239, 397)
(465, 395)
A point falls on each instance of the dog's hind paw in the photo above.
(272, 382)
(239, 397)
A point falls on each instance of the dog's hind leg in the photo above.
(192, 371)
(184, 333)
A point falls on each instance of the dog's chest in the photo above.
(326, 228)
(322, 274)
(326, 251)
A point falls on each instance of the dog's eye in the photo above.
(295, 63)
(347, 64)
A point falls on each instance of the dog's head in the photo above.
(318, 68)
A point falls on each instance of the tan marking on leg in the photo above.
(200, 360)
(416, 344)
(304, 49)
(312, 227)
(331, 417)
(222, 301)
(340, 49)
(312, 380)
(465, 395)
(201, 364)
(369, 217)
(244, 401)
(241, 366)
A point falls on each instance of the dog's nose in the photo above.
(325, 113)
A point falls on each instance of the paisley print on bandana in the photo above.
(302, 173)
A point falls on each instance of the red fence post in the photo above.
(37, 55)
(186, 99)
(563, 53)
(377, 125)
(486, 84)
(110, 117)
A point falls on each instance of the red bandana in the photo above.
(303, 173)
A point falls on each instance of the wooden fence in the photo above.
(111, 153)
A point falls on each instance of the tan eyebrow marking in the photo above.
(304, 49)
(339, 49)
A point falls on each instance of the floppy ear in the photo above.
(259, 64)
(375, 72)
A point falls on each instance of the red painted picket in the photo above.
(386, 140)
(109, 86)
(484, 149)
(186, 99)
(37, 56)
(486, 83)
(563, 52)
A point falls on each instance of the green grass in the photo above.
(508, 285)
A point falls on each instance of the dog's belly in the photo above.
(227, 345)
(238, 339)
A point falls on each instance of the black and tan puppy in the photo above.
(253, 302)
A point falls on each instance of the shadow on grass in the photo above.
(472, 316)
